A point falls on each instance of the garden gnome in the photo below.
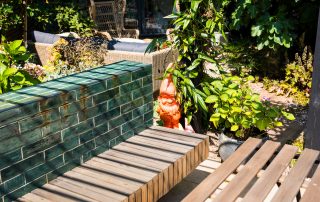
(169, 107)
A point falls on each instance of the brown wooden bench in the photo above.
(263, 171)
(143, 168)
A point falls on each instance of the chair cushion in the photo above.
(127, 46)
(43, 37)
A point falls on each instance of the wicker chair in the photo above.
(109, 16)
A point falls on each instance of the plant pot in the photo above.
(227, 146)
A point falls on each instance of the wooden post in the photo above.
(25, 22)
(312, 133)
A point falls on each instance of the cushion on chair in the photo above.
(127, 46)
(42, 37)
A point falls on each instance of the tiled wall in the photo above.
(48, 129)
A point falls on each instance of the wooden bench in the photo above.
(143, 168)
(262, 171)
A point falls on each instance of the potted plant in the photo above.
(237, 113)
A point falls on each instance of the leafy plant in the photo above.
(77, 55)
(69, 18)
(235, 109)
(9, 18)
(298, 79)
(12, 56)
(193, 37)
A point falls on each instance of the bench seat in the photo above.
(143, 168)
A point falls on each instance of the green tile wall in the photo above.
(48, 129)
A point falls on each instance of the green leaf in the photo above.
(224, 97)
(278, 123)
(212, 99)
(234, 128)
(15, 45)
(288, 116)
(262, 124)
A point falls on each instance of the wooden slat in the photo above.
(313, 191)
(110, 190)
(91, 193)
(32, 198)
(55, 193)
(290, 187)
(179, 132)
(212, 182)
(250, 170)
(271, 175)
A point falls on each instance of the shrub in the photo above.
(298, 78)
(236, 110)
(12, 57)
(77, 55)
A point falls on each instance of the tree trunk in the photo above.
(312, 135)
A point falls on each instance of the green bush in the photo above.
(236, 110)
(12, 56)
(298, 79)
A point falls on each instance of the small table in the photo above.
(263, 171)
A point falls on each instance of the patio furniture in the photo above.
(109, 16)
(143, 168)
(159, 59)
(263, 173)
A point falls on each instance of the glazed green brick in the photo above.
(25, 189)
(76, 154)
(141, 73)
(51, 128)
(43, 169)
(98, 130)
(142, 92)
(14, 183)
(10, 158)
(77, 129)
(130, 86)
(113, 143)
(148, 107)
(11, 112)
(93, 111)
(103, 97)
(120, 100)
(132, 105)
(20, 140)
(103, 118)
(25, 164)
(86, 136)
(131, 125)
(9, 130)
(70, 120)
(113, 123)
(39, 120)
(105, 138)
(100, 149)
(71, 108)
(139, 111)
(117, 80)
(148, 116)
(147, 80)
(126, 135)
(95, 88)
(148, 98)
(41, 145)
(60, 171)
(2, 191)
(59, 149)
(87, 156)
(58, 100)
